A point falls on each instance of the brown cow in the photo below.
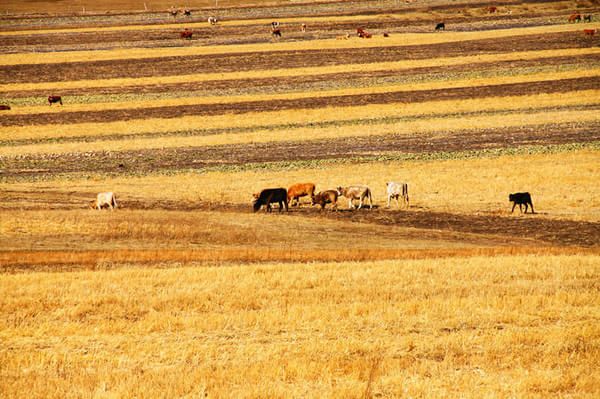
(589, 32)
(186, 34)
(326, 197)
(4, 107)
(363, 33)
(492, 9)
(299, 190)
(575, 18)
(54, 99)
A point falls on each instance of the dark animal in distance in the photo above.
(326, 197)
(186, 34)
(589, 32)
(303, 27)
(521, 199)
(54, 99)
(492, 9)
(385, 34)
(276, 32)
(212, 20)
(296, 191)
(187, 12)
(4, 107)
(440, 26)
(363, 33)
(587, 18)
(269, 196)
(274, 25)
(574, 18)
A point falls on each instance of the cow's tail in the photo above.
(370, 197)
(114, 201)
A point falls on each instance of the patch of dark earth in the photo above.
(327, 81)
(236, 62)
(187, 158)
(408, 97)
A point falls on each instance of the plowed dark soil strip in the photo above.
(305, 103)
(152, 160)
(561, 232)
(358, 79)
(282, 59)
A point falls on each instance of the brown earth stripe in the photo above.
(307, 80)
(305, 103)
(152, 160)
(284, 59)
(563, 232)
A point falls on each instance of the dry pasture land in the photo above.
(183, 291)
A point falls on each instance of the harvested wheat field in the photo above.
(183, 291)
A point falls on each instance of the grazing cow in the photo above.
(296, 191)
(54, 99)
(385, 34)
(4, 107)
(186, 34)
(187, 12)
(492, 9)
(363, 33)
(274, 25)
(395, 190)
(212, 20)
(326, 197)
(303, 27)
(440, 26)
(589, 32)
(520, 199)
(173, 11)
(575, 18)
(587, 18)
(276, 32)
(104, 199)
(356, 192)
(269, 196)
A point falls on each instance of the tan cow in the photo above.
(356, 192)
(104, 199)
(298, 190)
(326, 197)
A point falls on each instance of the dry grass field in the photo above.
(183, 291)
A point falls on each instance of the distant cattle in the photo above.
(521, 199)
(104, 199)
(385, 34)
(343, 37)
(587, 18)
(296, 191)
(173, 11)
(356, 193)
(395, 190)
(440, 26)
(4, 107)
(589, 32)
(303, 27)
(575, 18)
(186, 34)
(492, 9)
(269, 196)
(54, 99)
(274, 25)
(326, 197)
(187, 12)
(276, 32)
(212, 20)
(363, 33)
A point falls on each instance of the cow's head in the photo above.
(92, 204)
(339, 190)
(256, 205)
(511, 197)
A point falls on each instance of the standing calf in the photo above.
(269, 196)
(326, 197)
(521, 199)
(395, 190)
(356, 192)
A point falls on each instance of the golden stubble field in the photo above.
(184, 292)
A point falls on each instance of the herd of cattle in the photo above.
(291, 197)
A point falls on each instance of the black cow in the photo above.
(521, 199)
(440, 26)
(269, 196)
(4, 107)
(276, 32)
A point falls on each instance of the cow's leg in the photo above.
(513, 208)
(521, 207)
(350, 204)
(397, 202)
(388, 201)
(370, 201)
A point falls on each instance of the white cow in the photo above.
(395, 190)
(356, 192)
(102, 199)
(212, 20)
